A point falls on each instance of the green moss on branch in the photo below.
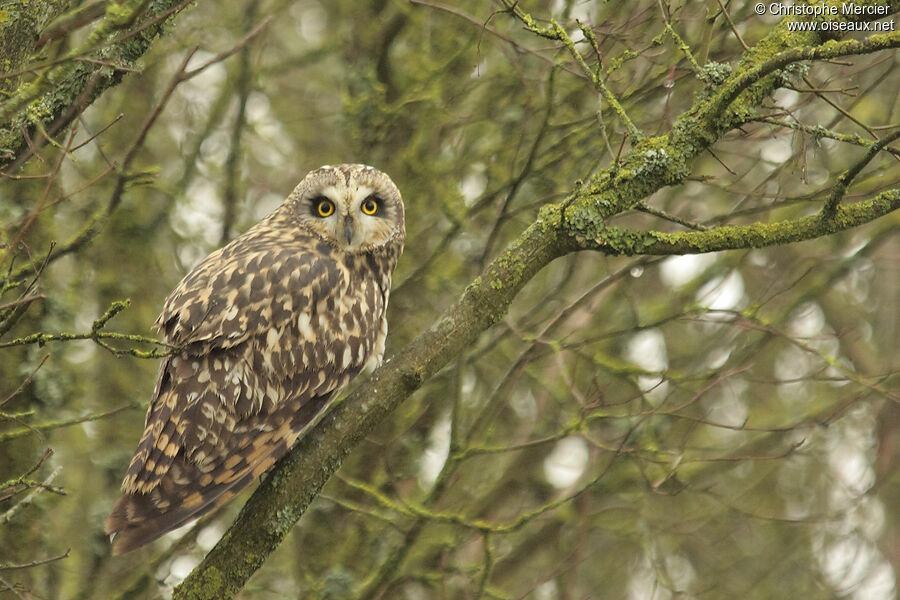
(48, 103)
(615, 240)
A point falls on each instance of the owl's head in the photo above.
(356, 208)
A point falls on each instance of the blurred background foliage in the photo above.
(711, 426)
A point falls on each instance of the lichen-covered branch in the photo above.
(666, 160)
(20, 25)
(44, 105)
(99, 336)
(616, 240)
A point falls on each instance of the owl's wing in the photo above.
(249, 285)
(161, 496)
(233, 402)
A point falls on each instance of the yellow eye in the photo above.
(370, 205)
(324, 207)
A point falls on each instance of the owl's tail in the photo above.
(186, 490)
(138, 518)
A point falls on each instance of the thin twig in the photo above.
(846, 178)
(737, 33)
(35, 563)
(25, 382)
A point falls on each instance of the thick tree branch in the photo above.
(59, 93)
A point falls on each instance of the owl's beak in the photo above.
(348, 229)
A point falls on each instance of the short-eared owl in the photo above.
(270, 328)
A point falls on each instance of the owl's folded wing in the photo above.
(244, 289)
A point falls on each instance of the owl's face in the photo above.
(356, 208)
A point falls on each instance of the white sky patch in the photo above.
(879, 584)
(524, 405)
(480, 69)
(549, 590)
(786, 98)
(436, 453)
(808, 323)
(857, 282)
(467, 386)
(199, 216)
(576, 35)
(267, 204)
(199, 91)
(178, 133)
(676, 271)
(90, 429)
(183, 565)
(277, 144)
(647, 349)
(583, 11)
(463, 245)
(197, 219)
(855, 568)
(759, 258)
(868, 517)
(209, 535)
(851, 466)
(313, 20)
(214, 150)
(473, 185)
(776, 151)
(80, 351)
(728, 409)
(680, 571)
(259, 109)
(566, 463)
(722, 293)
(791, 364)
(190, 254)
(643, 584)
(807, 320)
(855, 246)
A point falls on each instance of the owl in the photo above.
(269, 328)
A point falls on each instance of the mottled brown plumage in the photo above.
(271, 328)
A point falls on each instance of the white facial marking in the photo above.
(330, 192)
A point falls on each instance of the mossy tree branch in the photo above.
(20, 25)
(61, 90)
(100, 337)
(615, 240)
(576, 223)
